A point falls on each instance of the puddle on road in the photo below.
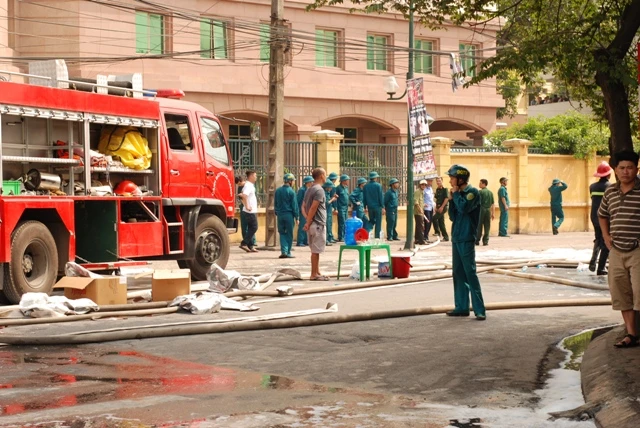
(58, 382)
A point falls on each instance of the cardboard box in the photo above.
(166, 285)
(103, 291)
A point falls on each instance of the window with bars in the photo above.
(377, 56)
(468, 58)
(239, 132)
(150, 35)
(424, 62)
(214, 39)
(327, 51)
(350, 135)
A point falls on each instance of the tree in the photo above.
(589, 46)
(509, 87)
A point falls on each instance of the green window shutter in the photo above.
(142, 32)
(205, 38)
(156, 45)
(417, 57)
(220, 39)
(381, 53)
(332, 50)
(320, 48)
(371, 65)
(265, 48)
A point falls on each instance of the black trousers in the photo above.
(252, 228)
(419, 234)
(427, 224)
(600, 250)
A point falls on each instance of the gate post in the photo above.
(521, 148)
(328, 149)
(442, 153)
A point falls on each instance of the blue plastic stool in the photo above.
(364, 257)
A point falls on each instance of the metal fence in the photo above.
(388, 160)
(481, 149)
(300, 157)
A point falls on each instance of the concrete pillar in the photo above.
(521, 149)
(442, 153)
(328, 149)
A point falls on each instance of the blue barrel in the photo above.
(351, 225)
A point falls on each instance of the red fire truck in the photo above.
(64, 200)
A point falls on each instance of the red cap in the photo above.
(603, 170)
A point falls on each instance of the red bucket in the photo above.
(401, 265)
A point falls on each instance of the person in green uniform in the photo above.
(329, 203)
(342, 204)
(442, 200)
(331, 207)
(464, 212)
(504, 204)
(374, 202)
(391, 208)
(418, 214)
(487, 212)
(557, 215)
(302, 240)
(357, 198)
(286, 208)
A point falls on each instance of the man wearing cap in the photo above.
(374, 202)
(557, 215)
(442, 200)
(503, 203)
(487, 210)
(464, 212)
(391, 208)
(357, 198)
(286, 208)
(418, 215)
(596, 191)
(331, 206)
(342, 203)
(302, 240)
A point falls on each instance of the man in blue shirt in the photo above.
(342, 204)
(374, 202)
(391, 207)
(429, 202)
(286, 208)
(302, 235)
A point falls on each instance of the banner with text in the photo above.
(424, 165)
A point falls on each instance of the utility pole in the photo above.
(275, 161)
(410, 188)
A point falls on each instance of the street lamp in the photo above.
(391, 87)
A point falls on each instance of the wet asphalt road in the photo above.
(427, 371)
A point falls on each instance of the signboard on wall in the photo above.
(424, 165)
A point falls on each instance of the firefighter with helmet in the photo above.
(286, 208)
(464, 213)
(596, 191)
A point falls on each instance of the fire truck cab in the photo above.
(106, 180)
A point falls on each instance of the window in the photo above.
(149, 33)
(178, 132)
(468, 59)
(327, 48)
(377, 52)
(424, 62)
(240, 132)
(265, 43)
(214, 40)
(350, 135)
(214, 145)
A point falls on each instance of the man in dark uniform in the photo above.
(286, 208)
(307, 182)
(374, 202)
(596, 190)
(504, 204)
(442, 200)
(557, 215)
(357, 202)
(391, 207)
(331, 207)
(342, 203)
(464, 212)
(487, 209)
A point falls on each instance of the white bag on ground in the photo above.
(355, 270)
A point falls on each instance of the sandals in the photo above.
(633, 342)
(319, 278)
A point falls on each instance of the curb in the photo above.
(611, 382)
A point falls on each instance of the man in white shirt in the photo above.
(250, 209)
(429, 202)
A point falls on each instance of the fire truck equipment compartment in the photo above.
(128, 144)
(103, 291)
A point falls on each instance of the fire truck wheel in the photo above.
(34, 261)
(212, 246)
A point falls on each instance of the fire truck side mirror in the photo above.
(255, 131)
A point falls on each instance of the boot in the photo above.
(594, 256)
(602, 263)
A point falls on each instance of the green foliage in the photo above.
(572, 133)
(509, 87)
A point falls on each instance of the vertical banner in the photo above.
(424, 165)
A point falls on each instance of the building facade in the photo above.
(218, 53)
